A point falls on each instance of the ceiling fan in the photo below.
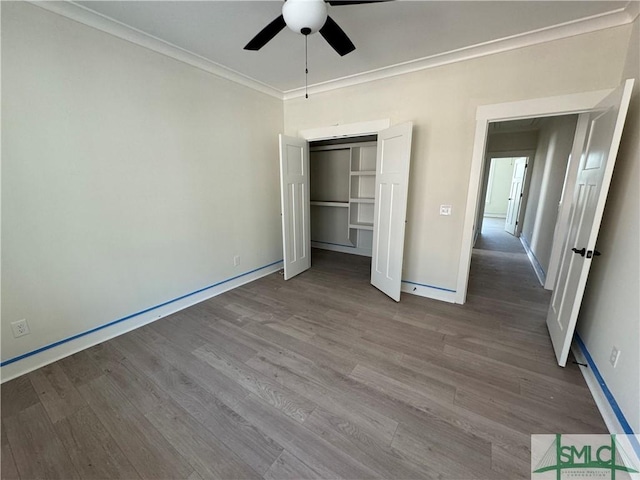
(307, 17)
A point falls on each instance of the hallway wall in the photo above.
(547, 179)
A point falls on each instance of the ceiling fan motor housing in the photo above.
(305, 16)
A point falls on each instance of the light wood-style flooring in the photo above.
(318, 377)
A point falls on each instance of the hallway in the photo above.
(501, 271)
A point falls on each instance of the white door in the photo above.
(389, 216)
(294, 198)
(592, 186)
(515, 195)
(566, 197)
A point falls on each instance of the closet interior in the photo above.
(342, 191)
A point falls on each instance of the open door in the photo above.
(592, 186)
(294, 198)
(392, 179)
(515, 195)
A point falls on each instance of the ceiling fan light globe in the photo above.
(307, 14)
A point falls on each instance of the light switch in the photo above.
(445, 209)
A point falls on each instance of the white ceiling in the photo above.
(385, 34)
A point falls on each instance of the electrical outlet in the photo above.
(615, 356)
(236, 260)
(20, 328)
(445, 209)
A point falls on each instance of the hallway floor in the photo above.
(501, 271)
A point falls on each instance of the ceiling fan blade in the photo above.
(266, 34)
(336, 37)
(337, 3)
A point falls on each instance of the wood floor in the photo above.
(318, 377)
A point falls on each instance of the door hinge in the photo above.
(520, 195)
(516, 222)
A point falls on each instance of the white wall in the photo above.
(498, 187)
(442, 103)
(128, 178)
(547, 179)
(610, 313)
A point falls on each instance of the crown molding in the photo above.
(118, 29)
(611, 19)
(633, 9)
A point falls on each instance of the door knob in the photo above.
(582, 251)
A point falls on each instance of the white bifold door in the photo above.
(390, 209)
(592, 186)
(391, 187)
(294, 201)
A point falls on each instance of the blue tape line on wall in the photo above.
(428, 286)
(626, 427)
(128, 317)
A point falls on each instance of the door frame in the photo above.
(485, 114)
(484, 179)
(357, 129)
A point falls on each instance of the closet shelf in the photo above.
(361, 225)
(330, 204)
(362, 200)
(363, 172)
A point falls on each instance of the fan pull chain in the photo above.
(306, 68)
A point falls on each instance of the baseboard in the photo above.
(608, 415)
(611, 413)
(607, 405)
(542, 276)
(428, 291)
(334, 247)
(25, 363)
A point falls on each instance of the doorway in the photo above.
(504, 190)
(381, 209)
(487, 114)
(511, 212)
(595, 153)
(342, 194)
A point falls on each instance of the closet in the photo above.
(342, 194)
(330, 197)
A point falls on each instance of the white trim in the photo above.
(86, 16)
(539, 107)
(120, 30)
(542, 107)
(511, 154)
(534, 260)
(604, 407)
(621, 16)
(428, 292)
(347, 130)
(363, 252)
(54, 354)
